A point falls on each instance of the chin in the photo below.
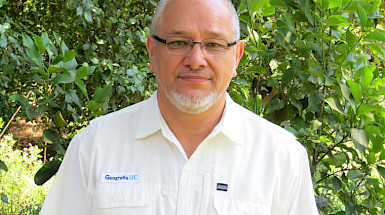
(192, 103)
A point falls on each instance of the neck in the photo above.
(190, 129)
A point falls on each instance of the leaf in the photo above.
(60, 122)
(88, 16)
(371, 158)
(335, 105)
(28, 42)
(351, 39)
(63, 79)
(58, 148)
(82, 72)
(345, 91)
(45, 39)
(381, 170)
(63, 47)
(256, 5)
(376, 35)
(354, 174)
(39, 43)
(71, 65)
(289, 22)
(356, 91)
(336, 20)
(4, 198)
(92, 105)
(335, 3)
(58, 59)
(81, 86)
(46, 172)
(31, 113)
(367, 78)
(268, 11)
(51, 136)
(382, 155)
(306, 7)
(102, 93)
(69, 54)
(367, 108)
(337, 184)
(360, 138)
(36, 57)
(71, 97)
(315, 99)
(362, 15)
(3, 166)
(19, 98)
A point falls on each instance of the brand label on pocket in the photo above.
(222, 187)
(120, 177)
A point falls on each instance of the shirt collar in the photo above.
(231, 123)
(151, 121)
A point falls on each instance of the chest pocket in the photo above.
(123, 199)
(225, 205)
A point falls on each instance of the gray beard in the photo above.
(194, 105)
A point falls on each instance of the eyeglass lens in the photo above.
(180, 45)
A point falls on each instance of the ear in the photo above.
(150, 50)
(238, 55)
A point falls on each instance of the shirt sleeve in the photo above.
(68, 194)
(303, 199)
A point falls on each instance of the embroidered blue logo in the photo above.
(120, 177)
(222, 187)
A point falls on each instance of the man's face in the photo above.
(194, 75)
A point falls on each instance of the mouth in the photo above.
(194, 77)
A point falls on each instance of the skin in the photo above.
(197, 20)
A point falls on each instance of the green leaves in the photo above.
(4, 198)
(360, 139)
(255, 5)
(47, 171)
(376, 35)
(3, 166)
(51, 136)
(336, 20)
(326, 72)
(102, 93)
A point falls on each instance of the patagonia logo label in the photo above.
(222, 187)
(120, 177)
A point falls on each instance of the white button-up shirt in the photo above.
(129, 162)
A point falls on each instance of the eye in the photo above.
(177, 43)
(213, 44)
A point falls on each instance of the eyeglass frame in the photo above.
(164, 41)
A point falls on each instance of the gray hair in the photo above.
(157, 18)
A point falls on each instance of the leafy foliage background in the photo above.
(314, 67)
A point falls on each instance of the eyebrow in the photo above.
(214, 34)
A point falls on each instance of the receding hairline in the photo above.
(158, 16)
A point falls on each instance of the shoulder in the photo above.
(268, 133)
(121, 114)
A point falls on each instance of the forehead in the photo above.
(204, 18)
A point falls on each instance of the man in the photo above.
(189, 149)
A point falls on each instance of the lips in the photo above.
(194, 77)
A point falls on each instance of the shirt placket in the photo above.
(184, 191)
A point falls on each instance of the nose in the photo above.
(195, 58)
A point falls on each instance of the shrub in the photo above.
(19, 194)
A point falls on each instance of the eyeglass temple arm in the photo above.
(159, 39)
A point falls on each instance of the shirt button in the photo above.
(187, 168)
(118, 197)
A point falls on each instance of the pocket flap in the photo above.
(126, 196)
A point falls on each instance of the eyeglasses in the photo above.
(182, 45)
